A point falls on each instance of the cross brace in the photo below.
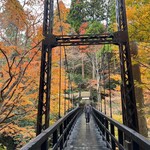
(119, 37)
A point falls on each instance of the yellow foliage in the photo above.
(138, 19)
(116, 77)
(138, 13)
(117, 118)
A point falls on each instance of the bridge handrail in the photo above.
(37, 142)
(137, 140)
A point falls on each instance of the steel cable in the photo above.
(66, 64)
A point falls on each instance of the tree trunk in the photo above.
(139, 92)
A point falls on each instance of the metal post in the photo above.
(127, 87)
(65, 93)
(112, 129)
(45, 74)
(110, 102)
(72, 96)
(59, 103)
(79, 85)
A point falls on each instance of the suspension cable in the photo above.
(60, 65)
(68, 95)
(104, 57)
(65, 90)
(60, 79)
(101, 86)
(66, 62)
(109, 71)
(104, 81)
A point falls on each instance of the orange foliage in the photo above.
(14, 14)
(60, 27)
(19, 68)
(20, 72)
(83, 28)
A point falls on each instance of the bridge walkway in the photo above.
(86, 136)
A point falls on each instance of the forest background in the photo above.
(94, 68)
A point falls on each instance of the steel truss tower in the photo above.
(45, 74)
(129, 109)
(120, 38)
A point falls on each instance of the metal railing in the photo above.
(56, 136)
(119, 136)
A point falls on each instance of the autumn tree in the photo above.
(91, 11)
(88, 17)
(77, 14)
(138, 21)
(19, 53)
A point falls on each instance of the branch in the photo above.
(6, 125)
(142, 64)
(4, 106)
(147, 87)
(21, 74)
(8, 81)
(27, 53)
(1, 121)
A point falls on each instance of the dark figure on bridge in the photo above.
(87, 110)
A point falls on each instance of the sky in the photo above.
(67, 2)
